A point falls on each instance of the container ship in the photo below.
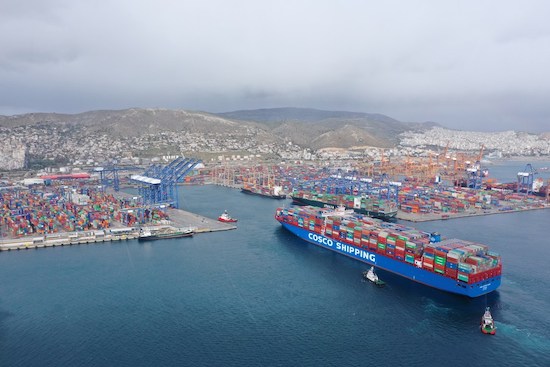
(274, 192)
(453, 265)
(373, 207)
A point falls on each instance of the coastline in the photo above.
(414, 217)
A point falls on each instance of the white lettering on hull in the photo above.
(342, 247)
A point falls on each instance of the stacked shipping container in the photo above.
(465, 261)
(356, 202)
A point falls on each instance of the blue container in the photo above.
(435, 237)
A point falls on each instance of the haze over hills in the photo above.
(42, 139)
(321, 129)
(308, 128)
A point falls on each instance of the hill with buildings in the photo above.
(42, 139)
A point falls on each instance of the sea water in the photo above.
(259, 296)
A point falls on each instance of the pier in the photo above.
(182, 218)
(179, 218)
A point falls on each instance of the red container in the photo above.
(451, 273)
(428, 266)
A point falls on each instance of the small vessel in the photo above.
(150, 234)
(487, 323)
(370, 275)
(273, 192)
(225, 217)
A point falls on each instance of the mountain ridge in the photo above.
(306, 127)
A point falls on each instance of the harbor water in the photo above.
(258, 296)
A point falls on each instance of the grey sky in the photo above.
(477, 65)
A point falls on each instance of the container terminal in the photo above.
(59, 210)
(88, 207)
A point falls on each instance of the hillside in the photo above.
(307, 128)
(320, 129)
(132, 122)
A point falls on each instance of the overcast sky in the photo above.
(477, 65)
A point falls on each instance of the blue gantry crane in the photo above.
(352, 184)
(158, 184)
(475, 176)
(108, 175)
(526, 179)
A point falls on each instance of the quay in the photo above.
(426, 217)
(178, 218)
(182, 218)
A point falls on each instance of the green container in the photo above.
(440, 260)
(464, 278)
(439, 270)
(409, 258)
(410, 245)
(381, 245)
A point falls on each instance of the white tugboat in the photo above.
(371, 276)
(487, 323)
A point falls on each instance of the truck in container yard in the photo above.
(453, 265)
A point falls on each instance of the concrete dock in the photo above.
(426, 217)
(182, 218)
(178, 218)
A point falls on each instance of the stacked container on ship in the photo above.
(362, 204)
(451, 265)
(274, 192)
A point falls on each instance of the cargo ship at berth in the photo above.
(362, 204)
(452, 265)
(273, 192)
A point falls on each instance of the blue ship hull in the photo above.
(403, 269)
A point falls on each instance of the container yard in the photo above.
(422, 189)
(80, 211)
(72, 204)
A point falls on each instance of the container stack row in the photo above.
(356, 202)
(465, 261)
(63, 209)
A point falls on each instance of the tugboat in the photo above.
(371, 276)
(487, 323)
(225, 217)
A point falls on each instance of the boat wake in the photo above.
(433, 308)
(525, 338)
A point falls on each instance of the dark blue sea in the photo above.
(258, 296)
